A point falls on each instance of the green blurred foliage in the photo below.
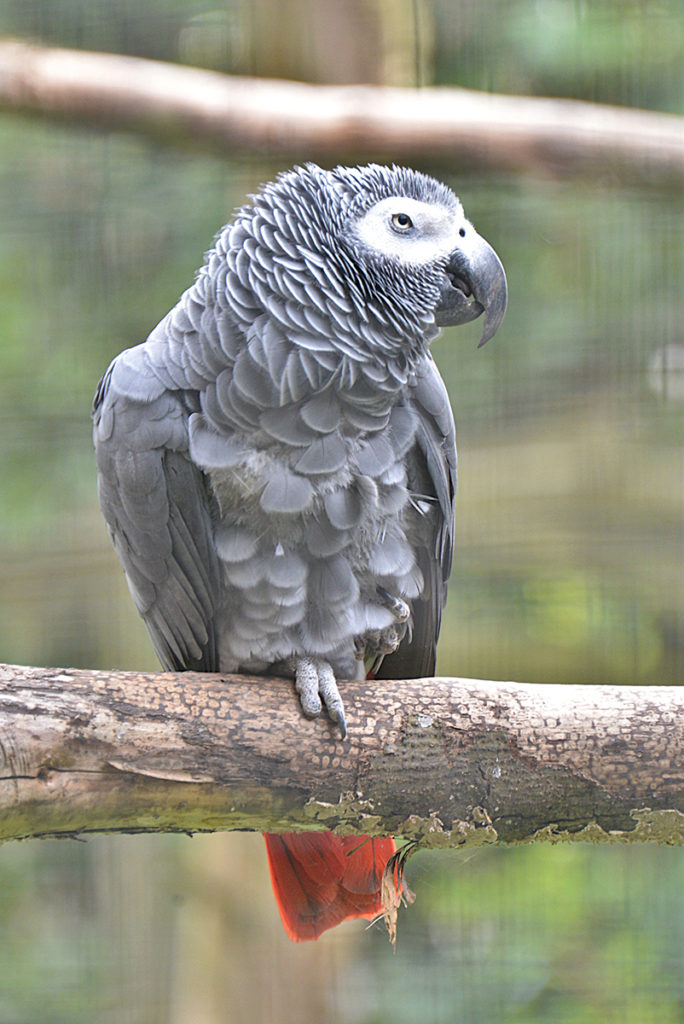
(583, 943)
(627, 52)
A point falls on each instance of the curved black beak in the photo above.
(474, 283)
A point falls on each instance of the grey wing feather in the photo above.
(156, 506)
(431, 464)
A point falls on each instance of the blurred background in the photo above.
(570, 530)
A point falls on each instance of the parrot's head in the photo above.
(412, 234)
(383, 255)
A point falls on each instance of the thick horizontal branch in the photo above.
(454, 127)
(444, 760)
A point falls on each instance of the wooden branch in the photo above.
(447, 761)
(454, 127)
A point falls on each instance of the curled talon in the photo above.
(377, 643)
(399, 608)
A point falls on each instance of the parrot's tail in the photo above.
(320, 879)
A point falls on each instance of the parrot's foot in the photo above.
(315, 682)
(378, 642)
(375, 644)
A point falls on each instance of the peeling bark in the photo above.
(445, 761)
(456, 128)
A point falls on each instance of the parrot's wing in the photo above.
(431, 465)
(156, 506)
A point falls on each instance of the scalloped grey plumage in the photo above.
(277, 464)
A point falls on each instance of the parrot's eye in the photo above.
(401, 222)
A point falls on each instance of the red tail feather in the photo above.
(320, 879)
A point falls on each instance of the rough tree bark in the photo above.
(446, 761)
(453, 127)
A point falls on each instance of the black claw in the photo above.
(377, 661)
(339, 719)
(398, 607)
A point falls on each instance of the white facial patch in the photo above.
(412, 231)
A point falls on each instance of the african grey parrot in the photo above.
(276, 462)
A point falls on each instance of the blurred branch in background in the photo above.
(447, 762)
(462, 128)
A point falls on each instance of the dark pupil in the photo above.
(402, 220)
